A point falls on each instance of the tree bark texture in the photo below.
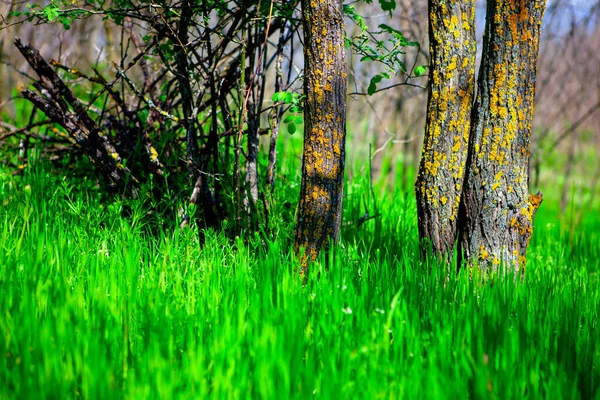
(452, 77)
(498, 210)
(325, 83)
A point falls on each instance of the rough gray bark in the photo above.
(497, 212)
(452, 76)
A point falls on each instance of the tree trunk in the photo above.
(325, 82)
(451, 82)
(497, 212)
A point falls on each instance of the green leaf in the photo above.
(291, 128)
(420, 70)
(289, 119)
(298, 119)
(402, 66)
(51, 13)
(276, 97)
(389, 29)
(388, 5)
(373, 84)
(289, 97)
(347, 43)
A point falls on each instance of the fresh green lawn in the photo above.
(98, 303)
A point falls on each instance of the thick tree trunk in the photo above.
(325, 82)
(452, 76)
(497, 213)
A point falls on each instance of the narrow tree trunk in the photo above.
(451, 83)
(325, 82)
(251, 196)
(277, 113)
(498, 211)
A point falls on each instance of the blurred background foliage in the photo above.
(386, 127)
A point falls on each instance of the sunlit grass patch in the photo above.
(100, 303)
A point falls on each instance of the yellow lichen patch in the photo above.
(336, 149)
(453, 23)
(483, 253)
(452, 65)
(456, 147)
(153, 155)
(318, 88)
(502, 112)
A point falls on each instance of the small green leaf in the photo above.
(291, 128)
(373, 84)
(388, 5)
(289, 119)
(298, 119)
(402, 66)
(347, 43)
(51, 13)
(289, 97)
(420, 70)
(278, 96)
(389, 29)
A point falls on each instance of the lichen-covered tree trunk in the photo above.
(325, 82)
(452, 76)
(497, 214)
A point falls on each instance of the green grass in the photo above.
(97, 305)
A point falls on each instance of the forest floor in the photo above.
(97, 302)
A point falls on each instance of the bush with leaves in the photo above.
(185, 106)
